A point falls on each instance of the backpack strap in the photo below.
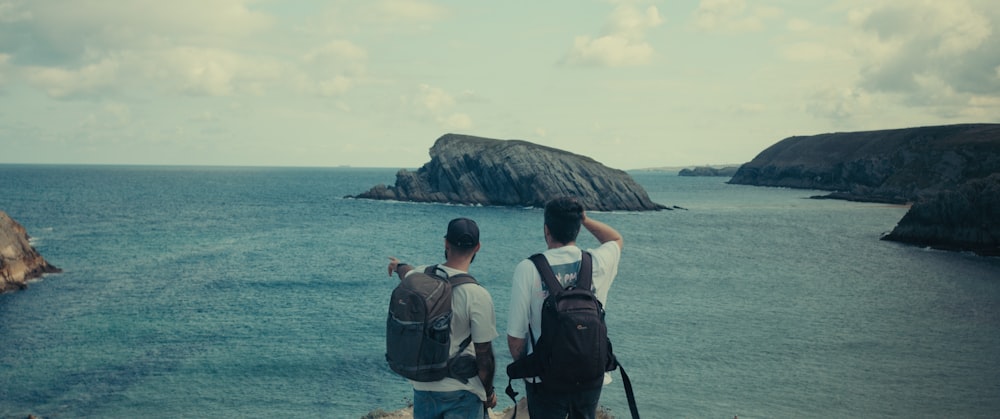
(454, 280)
(545, 270)
(629, 394)
(584, 279)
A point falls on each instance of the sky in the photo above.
(632, 84)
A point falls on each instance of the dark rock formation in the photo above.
(967, 218)
(949, 172)
(893, 166)
(728, 171)
(19, 261)
(482, 171)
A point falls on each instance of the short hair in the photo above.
(563, 217)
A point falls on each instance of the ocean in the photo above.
(237, 292)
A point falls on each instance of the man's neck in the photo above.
(556, 245)
(461, 265)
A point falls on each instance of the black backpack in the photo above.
(573, 352)
(418, 328)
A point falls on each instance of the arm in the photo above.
(487, 368)
(602, 232)
(517, 347)
(519, 316)
(400, 268)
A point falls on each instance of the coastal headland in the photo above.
(948, 174)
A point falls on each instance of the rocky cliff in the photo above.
(482, 171)
(19, 261)
(966, 218)
(893, 166)
(949, 173)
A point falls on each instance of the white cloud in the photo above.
(335, 68)
(79, 24)
(610, 51)
(11, 11)
(4, 68)
(457, 122)
(799, 25)
(733, 15)
(839, 104)
(339, 55)
(409, 10)
(88, 79)
(89, 47)
(934, 54)
(335, 86)
(433, 99)
(209, 71)
(436, 104)
(814, 52)
(623, 42)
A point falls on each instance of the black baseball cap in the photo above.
(463, 232)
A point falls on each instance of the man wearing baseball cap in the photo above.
(472, 316)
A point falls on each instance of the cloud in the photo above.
(203, 71)
(335, 68)
(937, 60)
(456, 122)
(622, 42)
(409, 10)
(13, 12)
(436, 104)
(87, 48)
(733, 16)
(64, 31)
(4, 68)
(937, 55)
(89, 79)
(433, 99)
(839, 104)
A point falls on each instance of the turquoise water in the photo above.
(261, 292)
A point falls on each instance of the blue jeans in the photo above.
(446, 405)
(544, 404)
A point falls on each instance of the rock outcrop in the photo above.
(892, 166)
(19, 262)
(967, 218)
(727, 171)
(482, 171)
(949, 173)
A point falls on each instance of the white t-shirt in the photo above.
(472, 314)
(528, 292)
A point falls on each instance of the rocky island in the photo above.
(726, 171)
(946, 172)
(19, 262)
(472, 170)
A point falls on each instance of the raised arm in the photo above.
(602, 232)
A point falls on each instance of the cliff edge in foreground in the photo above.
(19, 262)
(482, 171)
